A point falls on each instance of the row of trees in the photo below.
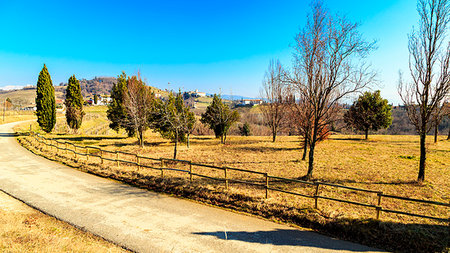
(329, 64)
(46, 103)
(135, 108)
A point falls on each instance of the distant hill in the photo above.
(98, 85)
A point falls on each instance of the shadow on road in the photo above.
(8, 135)
(287, 237)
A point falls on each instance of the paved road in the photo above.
(144, 221)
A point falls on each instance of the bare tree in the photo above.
(274, 94)
(139, 101)
(429, 67)
(329, 65)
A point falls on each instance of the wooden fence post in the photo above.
(75, 153)
(267, 185)
(117, 158)
(162, 167)
(87, 154)
(379, 204)
(226, 178)
(101, 156)
(138, 162)
(316, 194)
(190, 171)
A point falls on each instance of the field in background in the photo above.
(383, 163)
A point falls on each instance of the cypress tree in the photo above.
(45, 101)
(74, 104)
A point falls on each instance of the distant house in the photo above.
(196, 93)
(30, 107)
(157, 95)
(249, 102)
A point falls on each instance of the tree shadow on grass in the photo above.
(262, 162)
(95, 138)
(395, 182)
(265, 149)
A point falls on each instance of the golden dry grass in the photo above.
(24, 229)
(13, 116)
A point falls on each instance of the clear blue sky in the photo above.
(208, 45)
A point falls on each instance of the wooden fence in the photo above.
(86, 151)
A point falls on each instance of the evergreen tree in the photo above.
(95, 99)
(74, 104)
(369, 112)
(219, 117)
(245, 130)
(117, 112)
(45, 101)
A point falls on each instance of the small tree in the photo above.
(273, 92)
(117, 113)
(429, 64)
(95, 99)
(74, 104)
(45, 101)
(245, 129)
(139, 106)
(219, 117)
(369, 112)
(173, 119)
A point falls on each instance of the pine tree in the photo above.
(74, 104)
(45, 101)
(219, 117)
(369, 112)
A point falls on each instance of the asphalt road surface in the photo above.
(145, 221)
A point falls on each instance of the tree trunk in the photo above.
(221, 139)
(188, 144)
(436, 132)
(311, 161)
(141, 138)
(305, 148)
(274, 136)
(224, 138)
(175, 148)
(367, 133)
(448, 137)
(311, 153)
(423, 154)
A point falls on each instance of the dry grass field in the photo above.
(24, 229)
(13, 116)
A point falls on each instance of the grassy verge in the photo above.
(395, 236)
(24, 229)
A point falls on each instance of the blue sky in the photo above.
(209, 45)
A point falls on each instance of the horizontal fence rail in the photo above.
(264, 182)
